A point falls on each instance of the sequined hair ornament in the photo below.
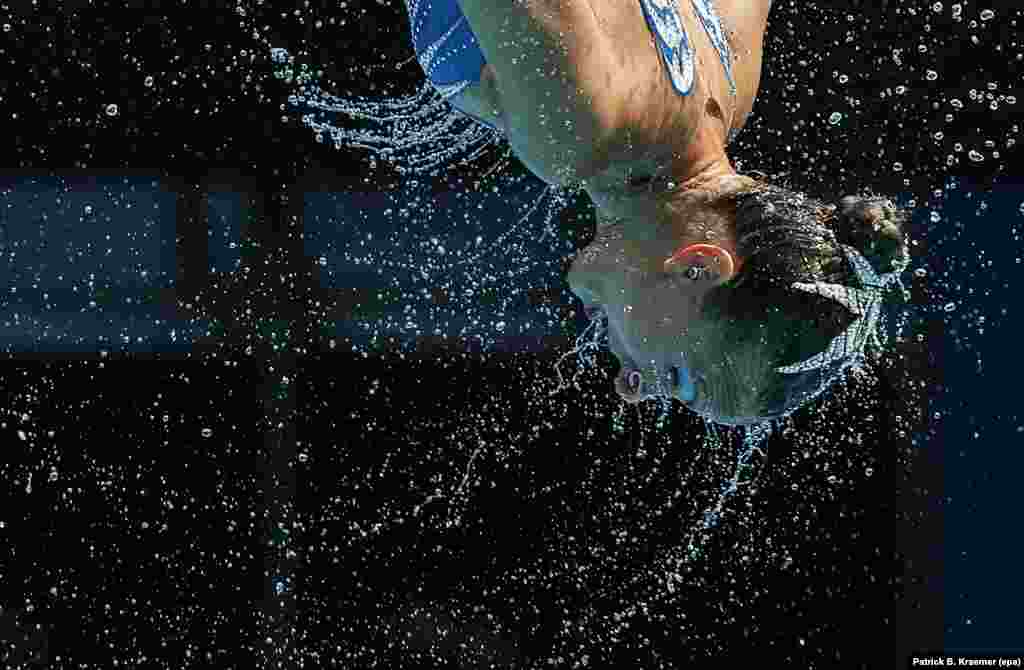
(807, 379)
(865, 302)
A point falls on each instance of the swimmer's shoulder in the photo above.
(576, 85)
(745, 22)
(556, 78)
(643, 87)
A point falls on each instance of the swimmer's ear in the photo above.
(715, 266)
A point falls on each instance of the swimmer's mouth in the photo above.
(679, 391)
(672, 385)
(671, 377)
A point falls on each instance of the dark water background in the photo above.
(204, 467)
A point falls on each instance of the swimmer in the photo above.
(736, 296)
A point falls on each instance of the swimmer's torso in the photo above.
(653, 122)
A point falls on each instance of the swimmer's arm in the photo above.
(551, 78)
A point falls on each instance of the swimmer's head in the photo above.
(700, 305)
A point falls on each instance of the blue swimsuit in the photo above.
(450, 56)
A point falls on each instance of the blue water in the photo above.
(68, 288)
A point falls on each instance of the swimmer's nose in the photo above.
(630, 385)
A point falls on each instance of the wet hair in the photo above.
(757, 322)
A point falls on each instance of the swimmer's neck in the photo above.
(693, 166)
(651, 206)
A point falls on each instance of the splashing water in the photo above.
(592, 340)
(420, 134)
